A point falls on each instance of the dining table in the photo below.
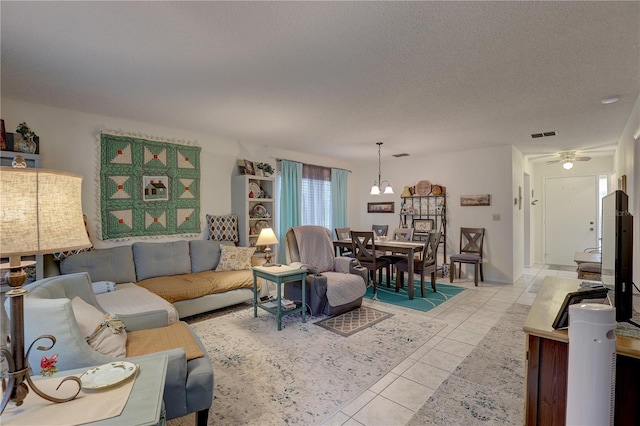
(409, 248)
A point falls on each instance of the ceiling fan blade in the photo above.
(582, 159)
(554, 161)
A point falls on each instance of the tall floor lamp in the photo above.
(40, 212)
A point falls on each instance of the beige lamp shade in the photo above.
(266, 237)
(40, 212)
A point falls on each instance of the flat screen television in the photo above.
(617, 253)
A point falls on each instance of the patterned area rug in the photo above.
(302, 374)
(388, 295)
(487, 388)
(353, 321)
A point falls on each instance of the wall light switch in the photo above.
(496, 216)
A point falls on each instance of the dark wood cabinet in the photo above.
(547, 362)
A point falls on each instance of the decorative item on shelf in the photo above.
(40, 213)
(267, 238)
(258, 211)
(423, 188)
(27, 142)
(376, 189)
(406, 192)
(436, 190)
(254, 190)
(266, 169)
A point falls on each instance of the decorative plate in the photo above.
(255, 188)
(260, 225)
(423, 188)
(259, 210)
(108, 375)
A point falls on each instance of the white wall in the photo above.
(68, 141)
(541, 171)
(483, 171)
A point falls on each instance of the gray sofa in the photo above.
(48, 310)
(142, 261)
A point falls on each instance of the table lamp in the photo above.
(266, 238)
(40, 213)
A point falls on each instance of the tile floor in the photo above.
(470, 315)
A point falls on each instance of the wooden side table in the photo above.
(280, 275)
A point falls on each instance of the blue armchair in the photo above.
(48, 310)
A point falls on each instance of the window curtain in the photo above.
(316, 195)
(339, 198)
(290, 201)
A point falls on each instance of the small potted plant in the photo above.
(28, 144)
(266, 168)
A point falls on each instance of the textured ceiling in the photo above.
(333, 78)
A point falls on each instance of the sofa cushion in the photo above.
(161, 259)
(191, 286)
(111, 264)
(108, 341)
(205, 254)
(235, 258)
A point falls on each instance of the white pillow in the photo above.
(234, 258)
(89, 319)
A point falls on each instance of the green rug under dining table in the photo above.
(443, 293)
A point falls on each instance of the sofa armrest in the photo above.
(145, 320)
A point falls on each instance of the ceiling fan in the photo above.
(567, 159)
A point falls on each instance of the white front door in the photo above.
(571, 217)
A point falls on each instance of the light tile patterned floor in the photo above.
(397, 396)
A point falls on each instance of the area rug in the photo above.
(353, 321)
(388, 295)
(302, 374)
(487, 388)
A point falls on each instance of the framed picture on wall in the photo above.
(386, 207)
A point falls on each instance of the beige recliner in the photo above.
(334, 284)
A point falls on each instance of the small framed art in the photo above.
(475, 200)
(385, 207)
(423, 225)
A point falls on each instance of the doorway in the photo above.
(570, 217)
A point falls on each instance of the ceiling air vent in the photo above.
(543, 134)
(404, 154)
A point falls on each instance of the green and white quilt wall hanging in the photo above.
(148, 187)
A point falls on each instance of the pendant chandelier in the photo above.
(376, 189)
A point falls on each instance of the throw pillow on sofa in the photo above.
(223, 228)
(235, 258)
(103, 332)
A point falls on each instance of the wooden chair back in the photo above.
(343, 234)
(472, 241)
(363, 246)
(402, 234)
(380, 230)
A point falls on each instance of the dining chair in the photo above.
(399, 234)
(428, 263)
(364, 249)
(471, 244)
(380, 230)
(344, 234)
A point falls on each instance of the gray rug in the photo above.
(302, 374)
(353, 321)
(487, 388)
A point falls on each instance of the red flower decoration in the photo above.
(48, 365)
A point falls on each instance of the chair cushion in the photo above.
(589, 267)
(465, 258)
(344, 288)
